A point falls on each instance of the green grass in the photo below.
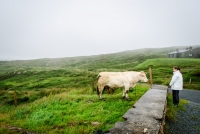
(71, 111)
(62, 78)
(162, 70)
(170, 62)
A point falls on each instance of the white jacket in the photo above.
(177, 81)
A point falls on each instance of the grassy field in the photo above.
(162, 70)
(56, 95)
(72, 110)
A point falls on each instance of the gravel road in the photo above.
(188, 121)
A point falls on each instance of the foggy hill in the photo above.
(117, 60)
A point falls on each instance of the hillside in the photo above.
(122, 60)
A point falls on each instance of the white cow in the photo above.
(126, 80)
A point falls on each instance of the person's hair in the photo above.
(177, 68)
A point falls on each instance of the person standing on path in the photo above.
(176, 84)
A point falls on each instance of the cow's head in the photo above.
(142, 77)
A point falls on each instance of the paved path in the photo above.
(188, 121)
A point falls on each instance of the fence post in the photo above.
(92, 85)
(150, 74)
(15, 98)
(190, 81)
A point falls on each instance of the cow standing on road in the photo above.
(125, 80)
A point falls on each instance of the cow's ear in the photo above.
(141, 73)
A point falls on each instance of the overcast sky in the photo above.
(32, 29)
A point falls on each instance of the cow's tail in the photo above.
(97, 90)
(97, 84)
(98, 77)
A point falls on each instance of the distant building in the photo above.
(185, 53)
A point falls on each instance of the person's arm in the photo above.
(174, 78)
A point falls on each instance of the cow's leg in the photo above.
(134, 85)
(126, 92)
(100, 88)
(123, 95)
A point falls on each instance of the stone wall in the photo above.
(147, 116)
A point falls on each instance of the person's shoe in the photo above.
(175, 105)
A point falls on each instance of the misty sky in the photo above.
(32, 29)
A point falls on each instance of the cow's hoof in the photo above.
(128, 99)
(100, 99)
